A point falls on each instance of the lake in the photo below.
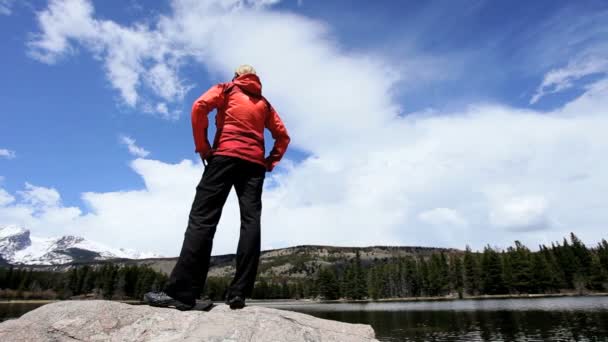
(538, 319)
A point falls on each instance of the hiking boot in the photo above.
(236, 302)
(163, 300)
(203, 305)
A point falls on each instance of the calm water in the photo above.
(543, 319)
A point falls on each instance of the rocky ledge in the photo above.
(100, 320)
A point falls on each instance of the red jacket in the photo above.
(242, 115)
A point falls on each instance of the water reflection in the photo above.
(479, 326)
(554, 319)
(10, 310)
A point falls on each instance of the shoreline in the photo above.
(428, 299)
(481, 297)
(347, 301)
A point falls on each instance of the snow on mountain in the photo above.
(11, 230)
(12, 239)
(18, 247)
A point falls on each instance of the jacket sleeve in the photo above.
(281, 139)
(201, 108)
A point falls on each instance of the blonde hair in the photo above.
(244, 69)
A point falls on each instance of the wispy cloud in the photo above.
(568, 46)
(133, 148)
(135, 58)
(6, 7)
(4, 153)
(561, 79)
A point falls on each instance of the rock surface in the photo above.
(111, 321)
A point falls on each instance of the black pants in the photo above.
(189, 274)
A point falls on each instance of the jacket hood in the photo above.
(250, 83)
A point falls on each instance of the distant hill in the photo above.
(291, 262)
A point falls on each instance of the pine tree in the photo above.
(492, 272)
(602, 252)
(347, 284)
(119, 288)
(327, 283)
(557, 275)
(260, 291)
(108, 278)
(412, 277)
(72, 283)
(471, 273)
(598, 281)
(582, 254)
(424, 277)
(567, 263)
(522, 267)
(437, 275)
(360, 290)
(373, 283)
(507, 271)
(542, 280)
(457, 275)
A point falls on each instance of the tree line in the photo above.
(109, 281)
(569, 266)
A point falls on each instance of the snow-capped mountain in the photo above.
(17, 246)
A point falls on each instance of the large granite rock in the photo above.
(111, 321)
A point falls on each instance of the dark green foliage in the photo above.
(582, 255)
(472, 281)
(108, 281)
(354, 282)
(598, 279)
(521, 263)
(327, 284)
(514, 271)
(542, 276)
(437, 282)
(602, 253)
(412, 281)
(507, 271)
(492, 272)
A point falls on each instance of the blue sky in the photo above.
(418, 70)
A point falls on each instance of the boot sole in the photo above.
(180, 307)
(172, 304)
(237, 306)
(203, 305)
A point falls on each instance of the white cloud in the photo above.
(38, 208)
(40, 197)
(372, 177)
(8, 154)
(5, 198)
(442, 216)
(518, 213)
(561, 79)
(133, 148)
(126, 52)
